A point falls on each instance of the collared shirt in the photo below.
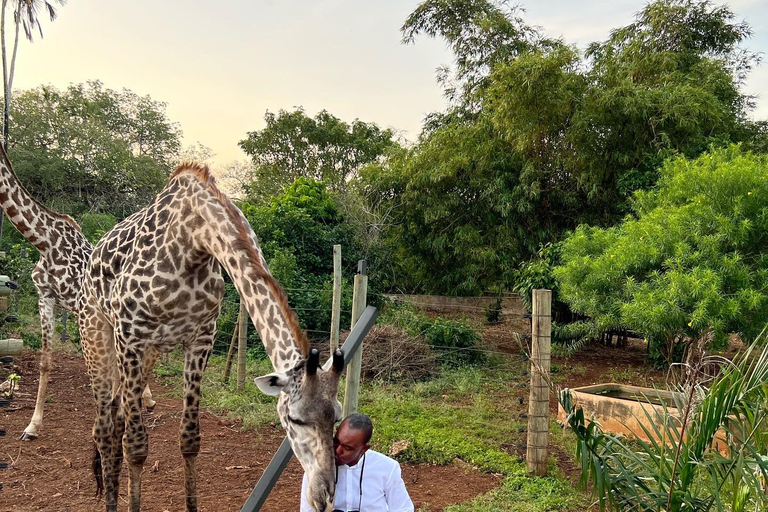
(383, 487)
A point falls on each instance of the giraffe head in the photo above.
(308, 410)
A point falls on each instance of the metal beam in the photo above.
(284, 453)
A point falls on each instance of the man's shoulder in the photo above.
(380, 459)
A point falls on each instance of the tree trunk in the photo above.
(9, 86)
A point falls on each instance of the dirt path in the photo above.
(54, 472)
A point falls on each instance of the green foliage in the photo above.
(536, 274)
(521, 493)
(454, 417)
(18, 263)
(481, 33)
(548, 138)
(571, 337)
(108, 152)
(297, 231)
(677, 469)
(691, 260)
(96, 225)
(323, 148)
(455, 341)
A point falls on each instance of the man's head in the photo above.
(351, 440)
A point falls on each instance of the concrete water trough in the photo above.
(622, 409)
(625, 410)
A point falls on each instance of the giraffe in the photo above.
(155, 281)
(57, 275)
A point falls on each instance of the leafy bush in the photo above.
(455, 342)
(691, 260)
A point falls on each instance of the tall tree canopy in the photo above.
(26, 14)
(481, 33)
(92, 149)
(323, 148)
(557, 139)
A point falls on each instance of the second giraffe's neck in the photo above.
(226, 235)
(33, 220)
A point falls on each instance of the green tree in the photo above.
(554, 140)
(691, 259)
(92, 149)
(297, 231)
(481, 33)
(323, 148)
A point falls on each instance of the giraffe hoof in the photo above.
(151, 409)
(26, 436)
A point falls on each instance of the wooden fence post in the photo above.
(352, 388)
(336, 307)
(242, 346)
(538, 404)
(231, 351)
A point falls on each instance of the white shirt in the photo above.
(383, 487)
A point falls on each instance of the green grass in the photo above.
(250, 406)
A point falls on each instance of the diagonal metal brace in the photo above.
(284, 453)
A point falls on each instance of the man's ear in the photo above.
(272, 384)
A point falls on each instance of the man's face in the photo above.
(349, 445)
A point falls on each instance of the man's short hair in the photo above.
(358, 421)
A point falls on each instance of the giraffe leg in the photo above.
(195, 360)
(98, 350)
(150, 357)
(47, 323)
(135, 439)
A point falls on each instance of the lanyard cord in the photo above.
(362, 470)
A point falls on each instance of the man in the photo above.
(366, 480)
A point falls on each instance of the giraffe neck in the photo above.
(224, 234)
(33, 220)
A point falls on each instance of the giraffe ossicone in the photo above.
(155, 282)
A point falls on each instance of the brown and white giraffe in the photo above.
(58, 274)
(155, 281)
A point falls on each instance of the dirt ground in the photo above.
(53, 473)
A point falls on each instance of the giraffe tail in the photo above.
(97, 471)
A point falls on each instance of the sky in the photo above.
(219, 66)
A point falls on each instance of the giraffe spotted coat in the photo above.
(155, 282)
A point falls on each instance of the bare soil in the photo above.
(53, 473)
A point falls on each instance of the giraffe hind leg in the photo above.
(47, 320)
(150, 358)
(189, 431)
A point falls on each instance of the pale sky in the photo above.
(220, 65)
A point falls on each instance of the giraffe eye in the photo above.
(295, 421)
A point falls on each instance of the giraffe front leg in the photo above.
(135, 439)
(189, 432)
(46, 361)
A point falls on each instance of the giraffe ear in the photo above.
(272, 384)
